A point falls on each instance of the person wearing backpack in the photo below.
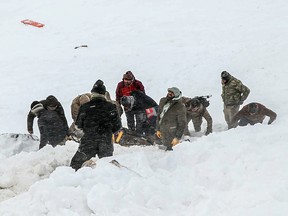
(196, 110)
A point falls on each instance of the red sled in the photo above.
(33, 23)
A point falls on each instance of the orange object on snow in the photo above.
(33, 23)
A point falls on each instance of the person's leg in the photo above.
(130, 120)
(105, 146)
(141, 122)
(197, 122)
(186, 130)
(78, 159)
(229, 113)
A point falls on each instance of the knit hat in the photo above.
(177, 93)
(128, 75)
(225, 75)
(36, 106)
(99, 87)
(52, 101)
(253, 108)
(127, 100)
(84, 99)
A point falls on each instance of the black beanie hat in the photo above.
(99, 87)
(52, 100)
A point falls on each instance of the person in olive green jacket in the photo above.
(196, 111)
(171, 119)
(234, 93)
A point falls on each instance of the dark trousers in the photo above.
(91, 146)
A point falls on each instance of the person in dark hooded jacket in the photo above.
(145, 110)
(50, 103)
(98, 119)
(51, 126)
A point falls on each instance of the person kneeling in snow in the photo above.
(145, 110)
(196, 111)
(52, 129)
(253, 113)
(98, 119)
(171, 119)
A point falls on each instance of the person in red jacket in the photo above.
(124, 88)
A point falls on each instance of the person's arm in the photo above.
(209, 121)
(30, 120)
(272, 115)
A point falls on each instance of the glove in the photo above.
(113, 138)
(158, 134)
(175, 141)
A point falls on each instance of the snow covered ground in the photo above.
(183, 43)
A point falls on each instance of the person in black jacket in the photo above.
(98, 119)
(50, 103)
(145, 110)
(51, 127)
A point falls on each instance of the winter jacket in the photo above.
(196, 116)
(123, 90)
(145, 123)
(98, 119)
(75, 106)
(234, 92)
(173, 122)
(59, 110)
(142, 101)
(51, 127)
(258, 117)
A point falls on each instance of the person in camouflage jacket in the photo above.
(196, 111)
(234, 93)
(98, 119)
(171, 119)
(253, 113)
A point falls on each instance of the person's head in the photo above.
(84, 99)
(36, 107)
(99, 87)
(225, 76)
(195, 104)
(128, 78)
(52, 102)
(253, 108)
(127, 101)
(173, 93)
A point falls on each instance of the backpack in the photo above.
(203, 100)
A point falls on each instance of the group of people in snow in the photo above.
(97, 119)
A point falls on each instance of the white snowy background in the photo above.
(165, 43)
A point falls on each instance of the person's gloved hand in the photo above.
(158, 134)
(269, 122)
(175, 141)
